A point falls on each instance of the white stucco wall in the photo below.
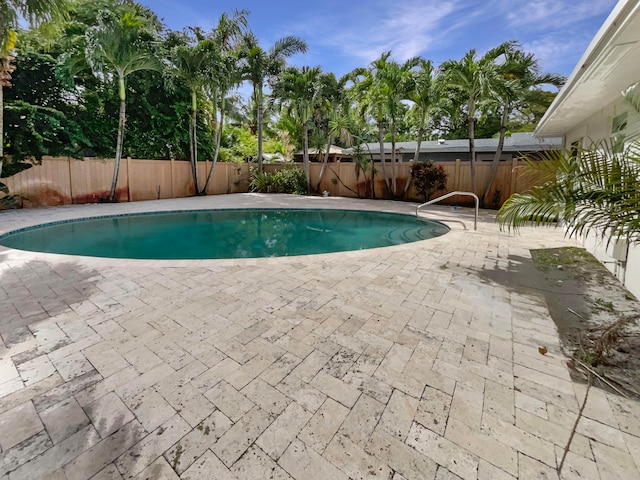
(627, 270)
(597, 127)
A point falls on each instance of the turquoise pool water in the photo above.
(202, 234)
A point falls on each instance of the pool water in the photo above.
(246, 233)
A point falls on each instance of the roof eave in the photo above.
(608, 30)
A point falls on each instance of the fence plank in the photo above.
(64, 180)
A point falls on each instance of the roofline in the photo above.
(609, 29)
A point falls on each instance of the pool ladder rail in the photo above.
(451, 194)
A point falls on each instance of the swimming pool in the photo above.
(229, 233)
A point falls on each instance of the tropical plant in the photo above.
(424, 95)
(262, 66)
(206, 66)
(380, 90)
(287, 180)
(334, 116)
(428, 178)
(36, 12)
(521, 74)
(298, 94)
(596, 191)
(190, 67)
(119, 45)
(471, 80)
(591, 190)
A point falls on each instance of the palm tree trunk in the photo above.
(472, 145)
(194, 141)
(393, 161)
(373, 178)
(305, 156)
(1, 128)
(121, 121)
(215, 155)
(416, 156)
(496, 158)
(260, 115)
(324, 161)
(382, 154)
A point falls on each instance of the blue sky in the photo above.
(344, 34)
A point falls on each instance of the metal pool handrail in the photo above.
(468, 194)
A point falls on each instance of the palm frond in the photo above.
(596, 191)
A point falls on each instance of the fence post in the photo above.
(456, 176)
(129, 179)
(70, 180)
(172, 176)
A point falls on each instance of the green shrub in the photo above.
(428, 178)
(287, 180)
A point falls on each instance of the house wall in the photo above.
(599, 126)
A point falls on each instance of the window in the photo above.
(575, 148)
(619, 123)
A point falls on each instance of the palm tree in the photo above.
(397, 83)
(379, 90)
(190, 68)
(475, 79)
(333, 110)
(206, 63)
(298, 94)
(594, 190)
(424, 96)
(36, 12)
(521, 74)
(117, 46)
(262, 66)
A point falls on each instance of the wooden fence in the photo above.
(62, 180)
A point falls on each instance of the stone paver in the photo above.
(396, 363)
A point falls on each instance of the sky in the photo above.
(345, 34)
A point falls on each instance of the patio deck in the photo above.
(404, 362)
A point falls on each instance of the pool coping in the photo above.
(22, 220)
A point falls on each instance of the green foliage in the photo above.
(35, 131)
(428, 178)
(238, 145)
(596, 191)
(287, 180)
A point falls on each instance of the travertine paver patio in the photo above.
(405, 362)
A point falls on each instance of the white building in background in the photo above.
(590, 107)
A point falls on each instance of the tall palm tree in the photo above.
(424, 95)
(397, 83)
(261, 66)
(334, 112)
(118, 45)
(380, 90)
(36, 12)
(521, 74)
(474, 79)
(190, 68)
(205, 62)
(595, 190)
(298, 94)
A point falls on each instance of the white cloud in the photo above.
(552, 52)
(407, 28)
(553, 14)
